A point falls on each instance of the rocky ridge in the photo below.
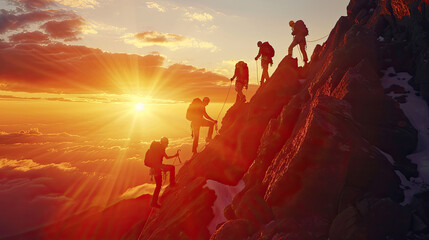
(313, 157)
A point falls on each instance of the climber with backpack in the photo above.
(198, 116)
(153, 159)
(299, 31)
(267, 53)
(242, 75)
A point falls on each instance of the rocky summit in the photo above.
(329, 151)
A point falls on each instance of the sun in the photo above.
(139, 107)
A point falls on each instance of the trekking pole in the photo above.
(178, 157)
(257, 72)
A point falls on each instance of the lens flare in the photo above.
(139, 107)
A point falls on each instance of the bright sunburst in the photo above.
(139, 107)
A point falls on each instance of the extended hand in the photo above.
(256, 58)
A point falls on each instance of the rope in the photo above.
(227, 95)
(147, 220)
(318, 39)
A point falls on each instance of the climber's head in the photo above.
(164, 142)
(206, 101)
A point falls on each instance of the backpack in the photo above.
(154, 155)
(242, 72)
(267, 50)
(301, 27)
(194, 110)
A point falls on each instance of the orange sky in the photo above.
(72, 72)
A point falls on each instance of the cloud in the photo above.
(28, 164)
(10, 20)
(140, 190)
(40, 4)
(154, 5)
(79, 3)
(200, 17)
(69, 30)
(60, 68)
(51, 180)
(32, 4)
(168, 40)
(34, 136)
(27, 203)
(159, 38)
(30, 37)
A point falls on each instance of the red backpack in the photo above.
(301, 28)
(154, 155)
(242, 72)
(267, 50)
(194, 110)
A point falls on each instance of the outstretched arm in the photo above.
(259, 54)
(233, 77)
(208, 117)
(235, 74)
(173, 156)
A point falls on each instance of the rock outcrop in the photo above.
(313, 156)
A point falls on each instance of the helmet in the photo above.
(291, 23)
(164, 141)
(206, 100)
(259, 43)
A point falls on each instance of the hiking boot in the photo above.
(155, 205)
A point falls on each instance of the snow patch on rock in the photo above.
(417, 111)
(224, 196)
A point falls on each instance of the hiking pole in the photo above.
(257, 72)
(178, 157)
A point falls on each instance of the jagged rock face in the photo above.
(313, 155)
(187, 210)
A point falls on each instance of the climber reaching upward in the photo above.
(267, 53)
(299, 31)
(198, 116)
(242, 75)
(153, 159)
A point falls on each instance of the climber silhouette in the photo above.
(198, 116)
(242, 75)
(153, 159)
(299, 31)
(267, 53)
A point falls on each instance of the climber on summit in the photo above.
(153, 159)
(299, 31)
(198, 116)
(267, 53)
(242, 75)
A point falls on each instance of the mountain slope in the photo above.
(328, 159)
